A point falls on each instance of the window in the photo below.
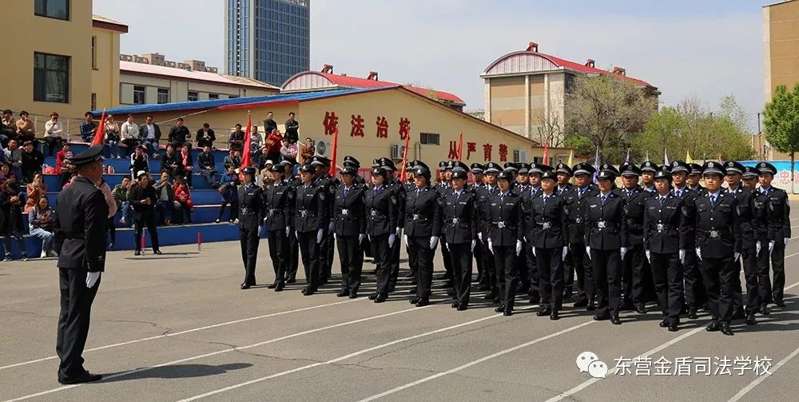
(52, 9)
(213, 96)
(138, 95)
(429, 138)
(193, 96)
(94, 52)
(163, 95)
(50, 78)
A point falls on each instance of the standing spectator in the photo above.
(208, 167)
(26, 131)
(183, 203)
(112, 211)
(288, 151)
(232, 161)
(236, 139)
(292, 128)
(150, 134)
(120, 194)
(35, 191)
(165, 198)
(139, 161)
(62, 166)
(206, 136)
(273, 145)
(130, 134)
(32, 161)
(112, 137)
(13, 156)
(306, 151)
(143, 198)
(53, 134)
(179, 134)
(230, 196)
(41, 220)
(170, 162)
(255, 145)
(270, 124)
(8, 129)
(11, 224)
(88, 127)
(185, 164)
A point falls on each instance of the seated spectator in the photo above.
(171, 161)
(255, 144)
(233, 160)
(32, 161)
(179, 134)
(186, 166)
(306, 151)
(120, 194)
(183, 202)
(129, 134)
(112, 211)
(230, 196)
(166, 199)
(87, 128)
(13, 156)
(35, 191)
(41, 219)
(236, 139)
(53, 135)
(62, 166)
(207, 166)
(150, 134)
(26, 131)
(8, 127)
(11, 223)
(288, 151)
(5, 171)
(139, 162)
(206, 136)
(112, 137)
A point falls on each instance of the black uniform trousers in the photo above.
(382, 256)
(279, 253)
(139, 223)
(607, 280)
(633, 277)
(489, 278)
(73, 320)
(506, 275)
(461, 262)
(549, 265)
(446, 258)
(249, 252)
(294, 256)
(694, 288)
(758, 285)
(479, 261)
(583, 267)
(394, 262)
(424, 265)
(530, 270)
(311, 258)
(411, 261)
(667, 275)
(351, 257)
(326, 249)
(717, 277)
(778, 266)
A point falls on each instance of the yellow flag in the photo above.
(571, 158)
(688, 158)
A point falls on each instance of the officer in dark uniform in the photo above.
(664, 237)
(564, 174)
(733, 173)
(505, 239)
(527, 266)
(143, 198)
(521, 185)
(648, 170)
(251, 214)
(681, 174)
(381, 208)
(757, 279)
(717, 245)
(694, 177)
(324, 181)
(408, 186)
(423, 230)
(310, 221)
(633, 263)
(606, 243)
(546, 233)
(575, 199)
(442, 188)
(349, 219)
(81, 218)
(293, 182)
(779, 230)
(477, 174)
(522, 178)
(279, 203)
(484, 194)
(393, 185)
(460, 229)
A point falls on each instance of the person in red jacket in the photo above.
(183, 203)
(60, 169)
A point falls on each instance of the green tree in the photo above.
(781, 119)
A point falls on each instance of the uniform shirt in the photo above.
(605, 223)
(546, 225)
(779, 211)
(715, 220)
(81, 218)
(460, 216)
(505, 218)
(574, 200)
(664, 224)
(349, 212)
(634, 202)
(279, 205)
(381, 208)
(251, 211)
(422, 213)
(311, 212)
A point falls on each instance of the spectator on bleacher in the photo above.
(232, 161)
(266, 177)
(5, 171)
(183, 203)
(35, 191)
(53, 135)
(8, 129)
(41, 221)
(14, 157)
(292, 128)
(26, 131)
(306, 151)
(112, 137)
(186, 164)
(139, 161)
(32, 161)
(256, 144)
(143, 198)
(272, 145)
(165, 199)
(11, 222)
(288, 151)
(270, 124)
(206, 136)
(179, 134)
(120, 194)
(171, 162)
(62, 166)
(236, 139)
(129, 134)
(88, 127)
(230, 196)
(150, 134)
(207, 166)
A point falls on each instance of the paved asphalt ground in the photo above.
(176, 327)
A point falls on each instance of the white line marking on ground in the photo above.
(475, 362)
(762, 378)
(152, 338)
(219, 352)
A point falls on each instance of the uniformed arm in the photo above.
(401, 201)
(95, 231)
(645, 229)
(261, 206)
(437, 216)
(473, 217)
(323, 207)
(519, 218)
(685, 226)
(736, 228)
(361, 210)
(583, 213)
(289, 205)
(786, 222)
(625, 237)
(564, 221)
(394, 212)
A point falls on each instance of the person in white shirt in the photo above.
(130, 134)
(53, 135)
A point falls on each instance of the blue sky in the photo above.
(702, 49)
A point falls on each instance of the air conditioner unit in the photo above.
(397, 150)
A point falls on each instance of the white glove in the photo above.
(534, 254)
(770, 246)
(265, 219)
(398, 231)
(787, 239)
(474, 243)
(480, 236)
(288, 231)
(369, 237)
(433, 242)
(518, 247)
(91, 279)
(525, 239)
(297, 234)
(405, 239)
(681, 253)
(623, 251)
(360, 238)
(588, 252)
(699, 253)
(446, 245)
(736, 256)
(648, 256)
(758, 247)
(319, 235)
(490, 246)
(565, 252)
(331, 227)
(391, 239)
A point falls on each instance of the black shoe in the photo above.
(692, 313)
(463, 306)
(85, 377)
(280, 286)
(455, 304)
(137, 252)
(750, 318)
(507, 312)
(412, 291)
(765, 310)
(381, 298)
(423, 302)
(543, 312)
(500, 309)
(272, 285)
(614, 319)
(535, 298)
(674, 326)
(308, 291)
(590, 307)
(640, 308)
(245, 286)
(581, 303)
(726, 329)
(353, 295)
(739, 314)
(292, 280)
(713, 326)
(601, 317)
(414, 300)
(157, 252)
(372, 296)
(665, 323)
(343, 293)
(779, 303)
(554, 315)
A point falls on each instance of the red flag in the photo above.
(546, 154)
(406, 145)
(460, 147)
(245, 159)
(99, 132)
(332, 170)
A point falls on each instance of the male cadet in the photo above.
(488, 281)
(251, 214)
(733, 172)
(459, 227)
(633, 263)
(715, 221)
(574, 200)
(81, 216)
(648, 170)
(563, 174)
(477, 173)
(311, 215)
(279, 203)
(681, 174)
(349, 225)
(779, 230)
(381, 220)
(694, 177)
(328, 184)
(606, 243)
(528, 259)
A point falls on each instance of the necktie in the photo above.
(662, 199)
(713, 200)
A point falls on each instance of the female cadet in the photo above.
(381, 217)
